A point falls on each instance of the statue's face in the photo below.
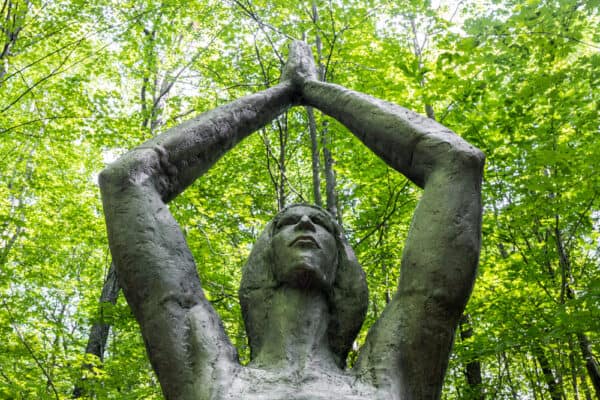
(304, 248)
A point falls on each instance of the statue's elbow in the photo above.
(107, 179)
(450, 154)
(470, 158)
(114, 178)
(139, 169)
(478, 158)
(132, 169)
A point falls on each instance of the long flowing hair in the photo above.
(348, 298)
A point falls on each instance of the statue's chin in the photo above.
(305, 276)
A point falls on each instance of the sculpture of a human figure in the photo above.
(303, 294)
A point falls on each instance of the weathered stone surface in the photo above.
(303, 294)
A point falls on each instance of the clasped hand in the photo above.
(300, 66)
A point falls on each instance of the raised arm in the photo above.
(184, 337)
(408, 348)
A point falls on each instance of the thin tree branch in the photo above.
(269, 154)
(171, 82)
(4, 7)
(392, 203)
(57, 71)
(582, 216)
(54, 72)
(286, 180)
(7, 77)
(250, 13)
(126, 24)
(29, 349)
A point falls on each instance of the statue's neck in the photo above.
(295, 331)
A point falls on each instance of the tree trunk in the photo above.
(330, 183)
(11, 27)
(590, 362)
(99, 333)
(554, 386)
(316, 167)
(473, 367)
(573, 368)
(585, 387)
(283, 135)
(567, 291)
(149, 37)
(513, 391)
(418, 51)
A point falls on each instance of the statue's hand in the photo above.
(300, 65)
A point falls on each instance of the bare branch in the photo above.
(30, 350)
(286, 180)
(57, 71)
(165, 89)
(250, 13)
(126, 24)
(390, 209)
(40, 60)
(41, 119)
(54, 72)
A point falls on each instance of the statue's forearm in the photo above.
(410, 143)
(174, 159)
(413, 337)
(155, 266)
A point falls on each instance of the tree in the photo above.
(517, 79)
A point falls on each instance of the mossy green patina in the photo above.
(303, 292)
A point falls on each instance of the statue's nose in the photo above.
(306, 223)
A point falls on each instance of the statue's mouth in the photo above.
(305, 241)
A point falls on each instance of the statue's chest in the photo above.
(254, 384)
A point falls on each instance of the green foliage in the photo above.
(80, 83)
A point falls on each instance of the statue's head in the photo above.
(304, 247)
(304, 251)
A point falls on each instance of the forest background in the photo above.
(81, 82)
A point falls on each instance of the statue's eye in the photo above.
(322, 222)
(287, 220)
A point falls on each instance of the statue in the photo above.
(303, 294)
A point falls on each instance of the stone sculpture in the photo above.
(303, 293)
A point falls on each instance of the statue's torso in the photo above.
(258, 384)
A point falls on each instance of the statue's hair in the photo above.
(348, 298)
